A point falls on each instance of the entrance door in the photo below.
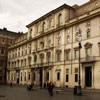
(88, 76)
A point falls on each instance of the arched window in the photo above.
(48, 57)
(59, 19)
(41, 59)
(50, 23)
(43, 27)
(35, 58)
(30, 33)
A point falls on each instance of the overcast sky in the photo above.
(16, 14)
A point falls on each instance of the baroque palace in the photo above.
(49, 51)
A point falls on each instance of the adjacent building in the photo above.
(6, 39)
(50, 50)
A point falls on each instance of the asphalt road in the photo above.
(20, 93)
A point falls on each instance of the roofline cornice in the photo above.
(64, 6)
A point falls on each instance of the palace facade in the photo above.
(49, 51)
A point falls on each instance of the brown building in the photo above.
(6, 39)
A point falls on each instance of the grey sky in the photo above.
(16, 14)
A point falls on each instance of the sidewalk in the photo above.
(71, 90)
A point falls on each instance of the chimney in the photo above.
(5, 29)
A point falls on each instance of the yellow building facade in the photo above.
(50, 50)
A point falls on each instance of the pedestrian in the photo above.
(10, 84)
(40, 85)
(50, 88)
(44, 85)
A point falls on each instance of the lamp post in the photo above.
(79, 91)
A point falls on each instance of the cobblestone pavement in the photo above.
(21, 93)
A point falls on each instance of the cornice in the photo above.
(83, 17)
(64, 6)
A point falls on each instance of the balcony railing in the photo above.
(43, 64)
(88, 59)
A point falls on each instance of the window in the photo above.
(29, 76)
(25, 77)
(67, 75)
(30, 33)
(76, 54)
(3, 40)
(58, 57)
(76, 36)
(29, 48)
(68, 39)
(47, 76)
(37, 29)
(34, 76)
(41, 59)
(50, 23)
(36, 45)
(88, 52)
(67, 55)
(48, 41)
(48, 57)
(76, 74)
(43, 27)
(59, 19)
(88, 33)
(21, 77)
(11, 41)
(25, 61)
(26, 51)
(35, 58)
(42, 44)
(88, 23)
(21, 63)
(2, 51)
(58, 39)
(58, 76)
(22, 52)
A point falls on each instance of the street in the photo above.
(21, 93)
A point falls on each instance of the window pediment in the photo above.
(88, 44)
(58, 51)
(76, 48)
(48, 53)
(67, 50)
(41, 55)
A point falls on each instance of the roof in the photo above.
(50, 13)
(7, 32)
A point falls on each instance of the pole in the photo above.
(79, 92)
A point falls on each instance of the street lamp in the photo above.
(79, 91)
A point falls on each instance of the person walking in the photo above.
(50, 88)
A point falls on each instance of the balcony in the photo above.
(47, 64)
(88, 59)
